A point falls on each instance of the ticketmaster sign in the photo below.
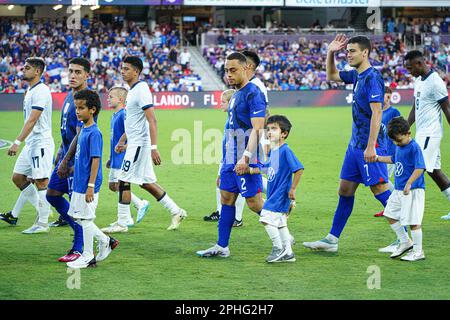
(274, 3)
(333, 3)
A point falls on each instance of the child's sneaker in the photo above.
(288, 258)
(276, 255)
(414, 256)
(82, 263)
(104, 249)
(402, 248)
(390, 248)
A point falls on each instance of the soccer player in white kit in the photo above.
(141, 149)
(430, 98)
(35, 159)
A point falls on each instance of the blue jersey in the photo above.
(247, 103)
(69, 122)
(117, 130)
(280, 166)
(407, 159)
(368, 87)
(90, 145)
(389, 114)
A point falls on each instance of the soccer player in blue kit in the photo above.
(246, 110)
(79, 69)
(367, 139)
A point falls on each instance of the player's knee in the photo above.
(41, 184)
(123, 187)
(114, 186)
(20, 180)
(379, 188)
(54, 193)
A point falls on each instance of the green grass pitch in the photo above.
(152, 263)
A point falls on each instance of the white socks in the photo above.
(169, 204)
(331, 238)
(28, 194)
(123, 214)
(137, 203)
(286, 239)
(416, 236)
(44, 207)
(91, 231)
(446, 193)
(240, 203)
(400, 231)
(274, 235)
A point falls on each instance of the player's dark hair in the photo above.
(253, 56)
(237, 56)
(397, 126)
(37, 63)
(82, 62)
(135, 61)
(362, 41)
(283, 122)
(92, 99)
(387, 90)
(413, 55)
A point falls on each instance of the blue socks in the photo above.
(383, 197)
(343, 212)
(62, 206)
(227, 215)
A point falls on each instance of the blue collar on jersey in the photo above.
(427, 75)
(252, 78)
(134, 85)
(365, 72)
(35, 85)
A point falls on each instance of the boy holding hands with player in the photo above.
(405, 206)
(87, 181)
(279, 167)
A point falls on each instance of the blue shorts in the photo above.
(248, 185)
(357, 170)
(62, 185)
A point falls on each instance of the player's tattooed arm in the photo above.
(151, 118)
(63, 169)
(375, 124)
(295, 182)
(26, 130)
(412, 114)
(445, 105)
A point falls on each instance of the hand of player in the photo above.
(292, 194)
(218, 182)
(370, 154)
(242, 166)
(13, 150)
(120, 147)
(338, 43)
(407, 189)
(63, 170)
(108, 164)
(89, 194)
(156, 157)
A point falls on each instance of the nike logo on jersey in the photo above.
(374, 96)
(256, 112)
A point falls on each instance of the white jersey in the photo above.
(429, 92)
(261, 86)
(39, 97)
(139, 98)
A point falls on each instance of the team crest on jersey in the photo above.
(398, 169)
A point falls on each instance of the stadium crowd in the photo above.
(300, 65)
(166, 67)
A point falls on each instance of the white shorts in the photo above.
(114, 175)
(276, 219)
(35, 162)
(137, 166)
(406, 209)
(80, 209)
(391, 169)
(431, 150)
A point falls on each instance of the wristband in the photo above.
(91, 185)
(376, 158)
(247, 154)
(252, 171)
(154, 147)
(17, 142)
